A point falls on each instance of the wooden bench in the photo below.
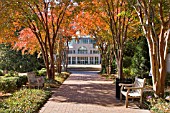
(134, 90)
(34, 81)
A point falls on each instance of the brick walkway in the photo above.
(87, 92)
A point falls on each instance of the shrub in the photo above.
(41, 72)
(10, 84)
(22, 80)
(11, 74)
(136, 58)
(25, 101)
(11, 59)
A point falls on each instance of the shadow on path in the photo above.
(87, 88)
(87, 92)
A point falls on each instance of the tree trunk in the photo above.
(49, 66)
(157, 39)
(158, 65)
(120, 68)
(59, 67)
(52, 68)
(119, 62)
(158, 78)
(103, 58)
(67, 50)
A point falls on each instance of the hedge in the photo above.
(10, 84)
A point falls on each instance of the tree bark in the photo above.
(119, 62)
(157, 39)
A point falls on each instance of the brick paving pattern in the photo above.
(87, 92)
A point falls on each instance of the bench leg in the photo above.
(120, 97)
(141, 101)
(126, 102)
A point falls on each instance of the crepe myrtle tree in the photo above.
(37, 23)
(154, 17)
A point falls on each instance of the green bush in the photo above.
(136, 58)
(11, 59)
(10, 84)
(11, 74)
(22, 80)
(41, 72)
(25, 101)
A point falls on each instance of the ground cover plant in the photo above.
(156, 105)
(59, 79)
(21, 99)
(24, 101)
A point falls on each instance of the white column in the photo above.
(88, 60)
(71, 59)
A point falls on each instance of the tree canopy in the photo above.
(44, 26)
(36, 26)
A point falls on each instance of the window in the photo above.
(91, 41)
(91, 52)
(96, 60)
(95, 52)
(82, 50)
(82, 60)
(86, 60)
(70, 52)
(74, 52)
(91, 60)
(73, 60)
(83, 41)
(69, 60)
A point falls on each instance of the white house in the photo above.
(83, 51)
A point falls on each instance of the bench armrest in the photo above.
(133, 88)
(122, 84)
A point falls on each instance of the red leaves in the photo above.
(27, 41)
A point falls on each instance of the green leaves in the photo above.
(125, 13)
(25, 101)
(14, 60)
